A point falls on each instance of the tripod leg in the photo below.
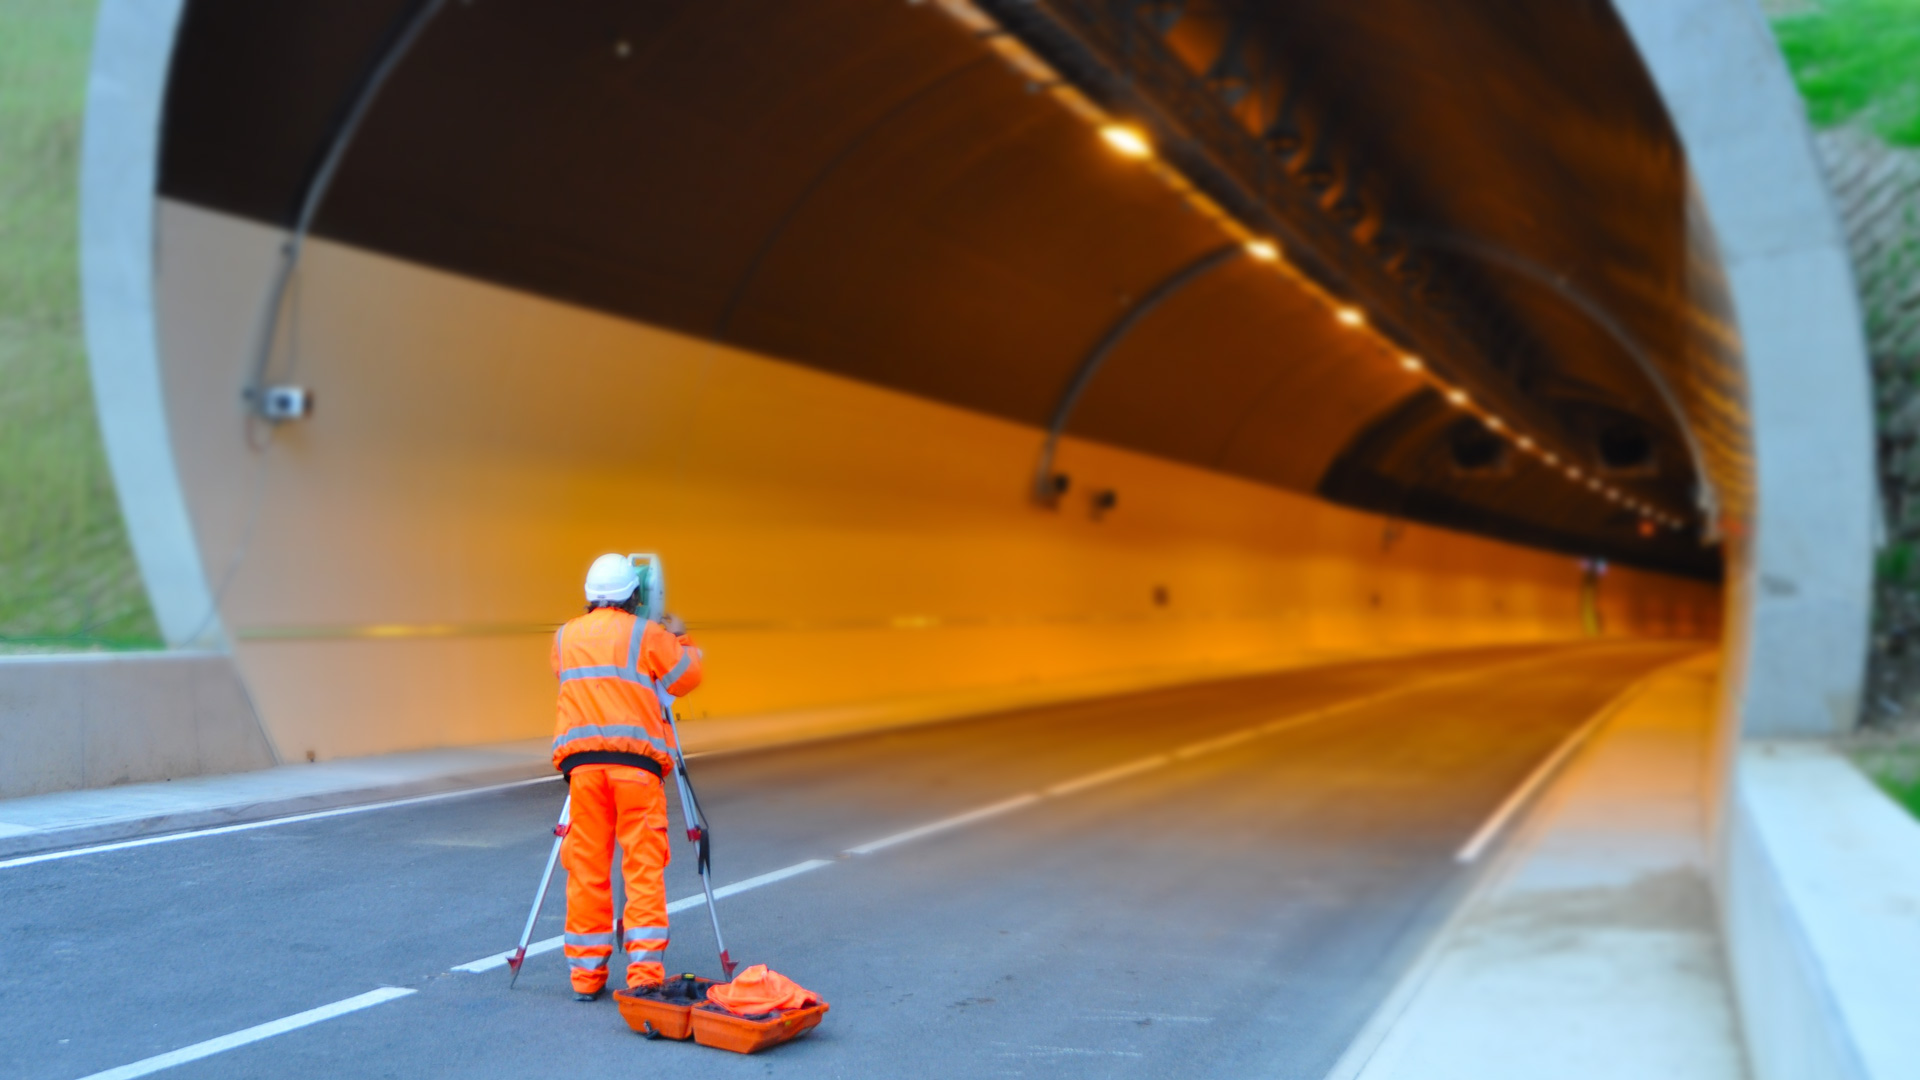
(696, 823)
(619, 914)
(539, 898)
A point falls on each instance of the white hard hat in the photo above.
(611, 577)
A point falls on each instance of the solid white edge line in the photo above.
(1004, 806)
(1358, 1056)
(1476, 844)
(253, 1034)
(291, 819)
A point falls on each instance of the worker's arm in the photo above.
(553, 656)
(673, 659)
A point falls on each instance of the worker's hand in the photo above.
(673, 624)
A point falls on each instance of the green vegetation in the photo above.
(1858, 61)
(67, 576)
(1895, 766)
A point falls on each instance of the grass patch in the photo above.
(67, 575)
(1858, 60)
(1894, 764)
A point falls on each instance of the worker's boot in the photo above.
(586, 995)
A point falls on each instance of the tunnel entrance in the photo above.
(1148, 341)
(1315, 261)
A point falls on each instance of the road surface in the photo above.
(1222, 879)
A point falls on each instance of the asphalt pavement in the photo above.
(1214, 880)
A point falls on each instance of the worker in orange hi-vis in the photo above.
(612, 742)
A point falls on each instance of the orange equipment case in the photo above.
(716, 1027)
(662, 1011)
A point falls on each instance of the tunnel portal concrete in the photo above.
(898, 248)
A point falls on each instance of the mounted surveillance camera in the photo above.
(1049, 487)
(283, 403)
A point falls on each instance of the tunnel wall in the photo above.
(403, 555)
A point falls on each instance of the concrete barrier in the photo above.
(94, 720)
(1821, 906)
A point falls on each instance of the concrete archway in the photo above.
(270, 547)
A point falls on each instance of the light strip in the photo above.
(1127, 139)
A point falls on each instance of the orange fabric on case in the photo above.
(760, 989)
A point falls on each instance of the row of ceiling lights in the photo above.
(1131, 142)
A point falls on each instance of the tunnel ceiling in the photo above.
(864, 187)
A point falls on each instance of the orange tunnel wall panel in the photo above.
(398, 560)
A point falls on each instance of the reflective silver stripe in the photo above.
(610, 731)
(587, 963)
(603, 671)
(646, 956)
(679, 669)
(633, 645)
(646, 933)
(589, 940)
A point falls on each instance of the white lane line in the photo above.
(1066, 787)
(253, 1034)
(1106, 776)
(782, 874)
(1478, 843)
(1208, 746)
(499, 959)
(222, 830)
(1004, 806)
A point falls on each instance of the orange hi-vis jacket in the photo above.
(617, 673)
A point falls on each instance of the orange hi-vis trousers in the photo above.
(624, 804)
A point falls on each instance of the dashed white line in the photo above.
(992, 810)
(1208, 746)
(739, 887)
(253, 1034)
(1106, 776)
